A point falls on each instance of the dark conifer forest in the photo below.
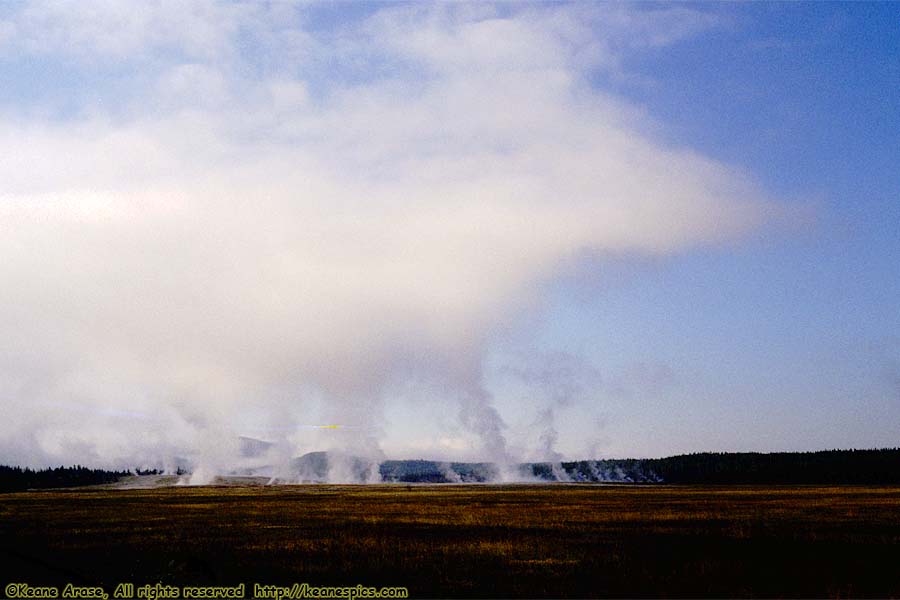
(17, 479)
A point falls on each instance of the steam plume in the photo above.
(246, 242)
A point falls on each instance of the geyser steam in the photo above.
(253, 243)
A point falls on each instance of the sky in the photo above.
(462, 231)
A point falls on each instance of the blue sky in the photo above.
(523, 231)
(791, 336)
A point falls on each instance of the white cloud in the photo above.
(109, 31)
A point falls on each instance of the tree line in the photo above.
(823, 467)
(17, 479)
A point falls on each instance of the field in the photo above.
(466, 541)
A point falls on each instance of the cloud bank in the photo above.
(268, 217)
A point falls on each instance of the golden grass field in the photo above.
(466, 540)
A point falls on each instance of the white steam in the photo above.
(248, 241)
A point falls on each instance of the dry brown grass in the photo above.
(484, 541)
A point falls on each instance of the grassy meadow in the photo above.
(466, 540)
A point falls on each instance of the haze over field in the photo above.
(458, 231)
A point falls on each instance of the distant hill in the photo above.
(428, 471)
